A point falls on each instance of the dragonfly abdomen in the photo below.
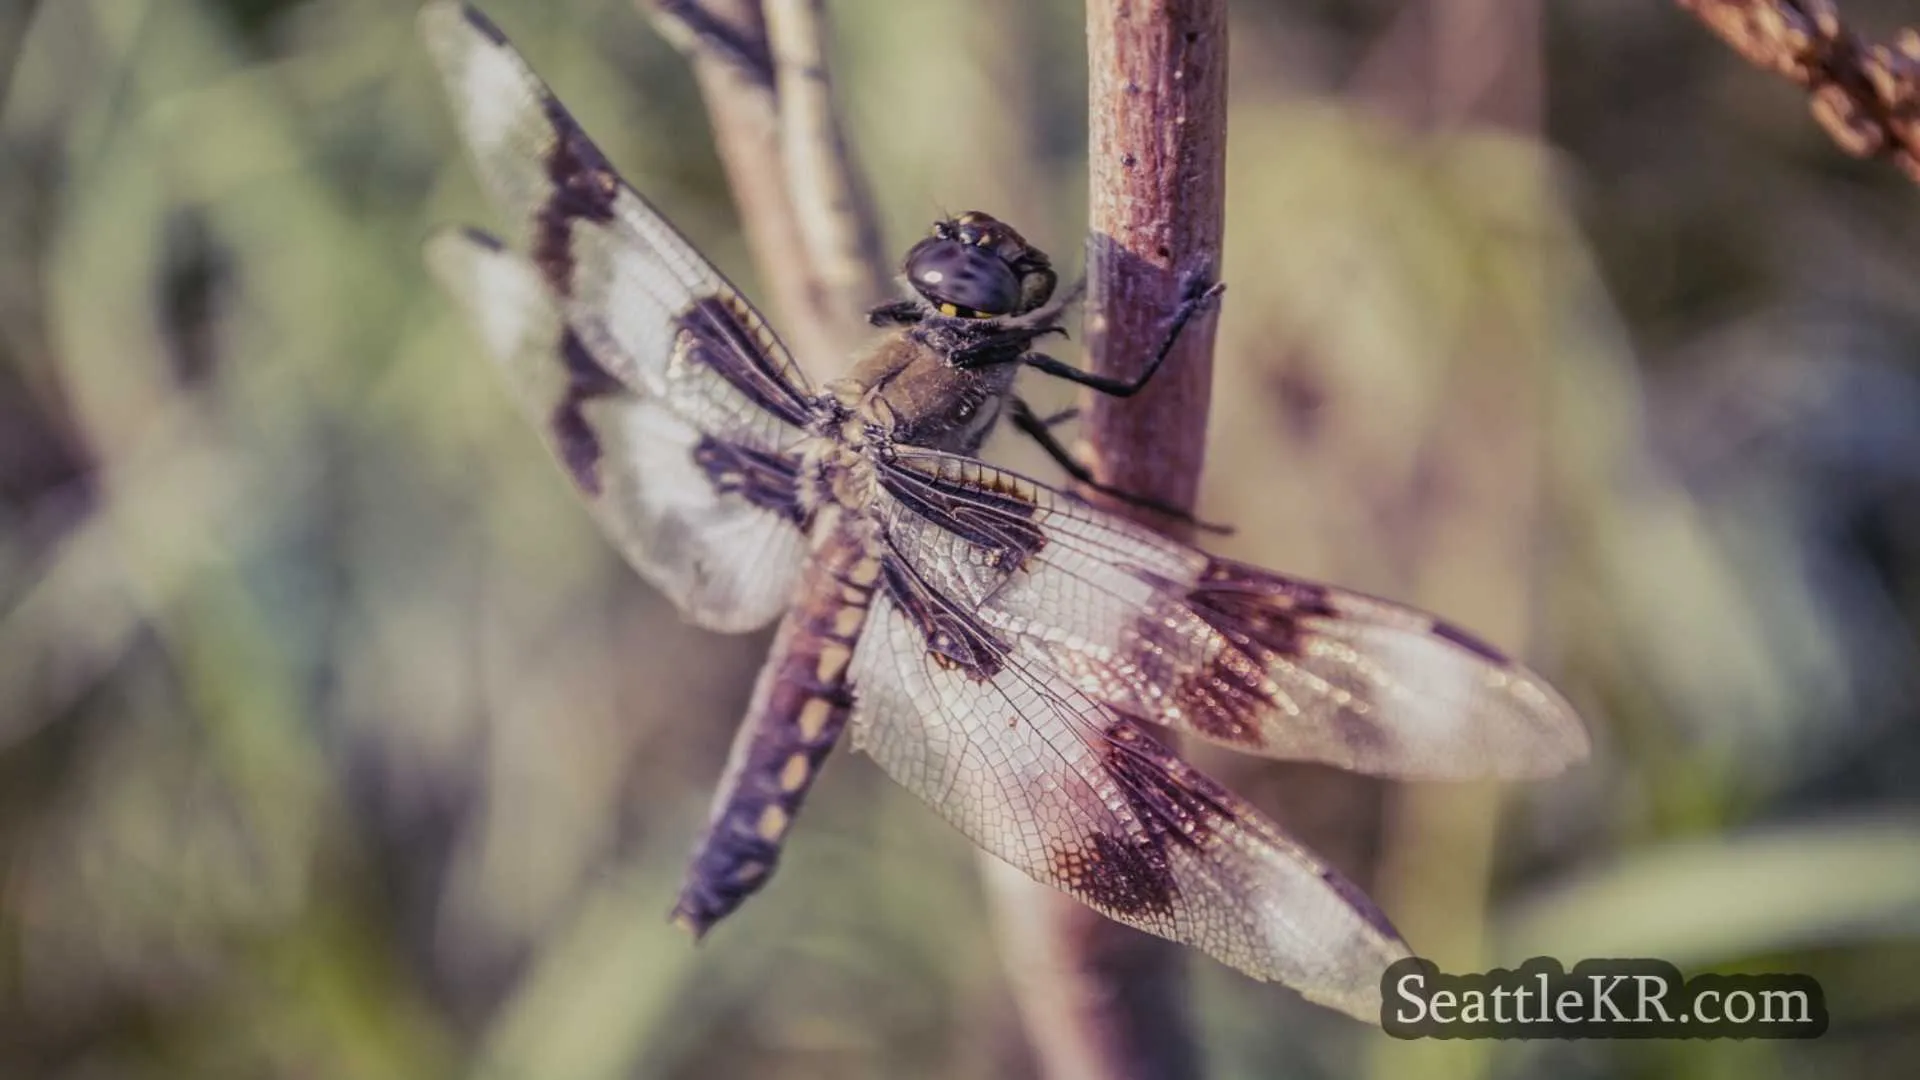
(800, 704)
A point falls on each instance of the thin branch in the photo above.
(739, 76)
(1099, 999)
(836, 218)
(1866, 96)
(1157, 156)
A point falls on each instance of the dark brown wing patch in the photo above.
(574, 438)
(1173, 805)
(1226, 696)
(1222, 697)
(1257, 609)
(769, 481)
(998, 519)
(954, 638)
(584, 186)
(1118, 874)
(722, 333)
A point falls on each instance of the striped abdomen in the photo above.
(800, 703)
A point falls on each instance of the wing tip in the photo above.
(451, 251)
(1558, 739)
(684, 921)
(462, 41)
(1361, 998)
(1544, 732)
(1362, 1005)
(500, 293)
(448, 20)
(1378, 941)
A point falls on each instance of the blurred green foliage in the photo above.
(333, 741)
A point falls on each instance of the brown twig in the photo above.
(1157, 157)
(1866, 96)
(1099, 999)
(812, 282)
(835, 217)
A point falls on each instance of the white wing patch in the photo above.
(1084, 800)
(727, 562)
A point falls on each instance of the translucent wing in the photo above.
(644, 304)
(1080, 797)
(1253, 660)
(712, 523)
(661, 390)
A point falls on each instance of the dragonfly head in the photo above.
(976, 266)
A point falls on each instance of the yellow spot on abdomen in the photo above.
(773, 823)
(846, 621)
(813, 717)
(833, 663)
(794, 773)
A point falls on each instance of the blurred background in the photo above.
(335, 743)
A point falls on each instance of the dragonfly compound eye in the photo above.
(962, 280)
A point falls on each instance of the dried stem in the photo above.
(1867, 97)
(1157, 158)
(1099, 999)
(816, 280)
(835, 217)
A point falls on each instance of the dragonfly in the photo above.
(1004, 650)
